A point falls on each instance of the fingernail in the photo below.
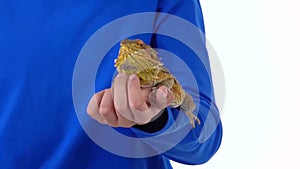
(132, 77)
(121, 75)
(165, 93)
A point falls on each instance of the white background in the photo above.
(257, 42)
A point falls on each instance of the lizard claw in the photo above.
(192, 120)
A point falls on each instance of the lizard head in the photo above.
(134, 48)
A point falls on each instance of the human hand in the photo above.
(126, 103)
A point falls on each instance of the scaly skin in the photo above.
(136, 57)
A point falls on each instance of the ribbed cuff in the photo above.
(156, 124)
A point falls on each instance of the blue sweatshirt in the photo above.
(40, 126)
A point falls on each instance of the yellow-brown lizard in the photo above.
(136, 57)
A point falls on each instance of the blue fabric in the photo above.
(39, 44)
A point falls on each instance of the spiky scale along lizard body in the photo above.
(136, 57)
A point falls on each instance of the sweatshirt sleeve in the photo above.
(181, 143)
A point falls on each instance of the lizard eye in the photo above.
(140, 42)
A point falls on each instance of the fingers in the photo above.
(131, 102)
(101, 108)
(120, 96)
(165, 93)
(124, 122)
(160, 99)
(107, 110)
(135, 97)
(126, 104)
(110, 115)
(137, 103)
(93, 107)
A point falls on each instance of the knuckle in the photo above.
(89, 111)
(91, 114)
(97, 97)
(104, 111)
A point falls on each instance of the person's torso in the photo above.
(39, 44)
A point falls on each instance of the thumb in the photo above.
(161, 98)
